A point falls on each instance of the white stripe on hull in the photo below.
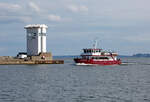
(83, 64)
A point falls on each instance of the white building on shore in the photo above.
(36, 39)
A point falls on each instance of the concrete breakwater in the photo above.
(42, 58)
(11, 62)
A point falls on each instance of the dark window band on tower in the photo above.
(42, 34)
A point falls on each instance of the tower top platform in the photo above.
(36, 26)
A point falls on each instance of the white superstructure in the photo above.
(36, 39)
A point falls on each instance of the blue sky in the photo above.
(119, 25)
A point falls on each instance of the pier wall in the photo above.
(42, 58)
(19, 62)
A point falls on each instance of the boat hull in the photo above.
(98, 62)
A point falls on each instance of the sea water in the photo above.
(129, 82)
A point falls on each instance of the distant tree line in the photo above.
(141, 55)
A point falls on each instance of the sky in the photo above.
(122, 26)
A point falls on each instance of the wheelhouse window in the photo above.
(100, 58)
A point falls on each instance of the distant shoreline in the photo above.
(141, 55)
(135, 55)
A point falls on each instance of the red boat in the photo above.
(94, 56)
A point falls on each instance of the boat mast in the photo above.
(95, 44)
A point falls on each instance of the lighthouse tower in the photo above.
(36, 39)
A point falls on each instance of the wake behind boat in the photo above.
(95, 56)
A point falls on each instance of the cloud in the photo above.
(83, 8)
(34, 6)
(25, 19)
(9, 7)
(53, 17)
(75, 8)
(12, 13)
(14, 19)
(138, 38)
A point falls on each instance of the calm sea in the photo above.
(129, 82)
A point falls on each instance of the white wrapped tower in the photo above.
(36, 39)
